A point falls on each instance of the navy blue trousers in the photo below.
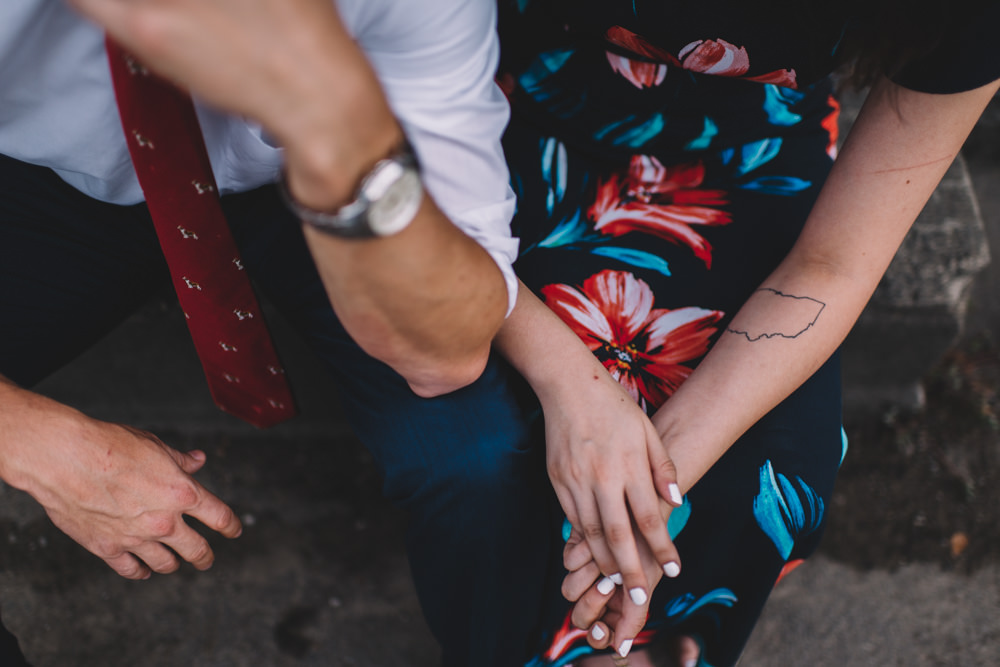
(483, 535)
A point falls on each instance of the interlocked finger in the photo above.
(622, 544)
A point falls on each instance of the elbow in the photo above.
(438, 379)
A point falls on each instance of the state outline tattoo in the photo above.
(754, 336)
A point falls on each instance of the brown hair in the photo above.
(882, 37)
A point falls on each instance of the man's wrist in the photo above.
(384, 203)
(330, 147)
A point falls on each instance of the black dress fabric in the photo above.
(665, 156)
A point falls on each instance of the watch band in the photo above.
(393, 182)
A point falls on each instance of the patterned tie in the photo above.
(223, 316)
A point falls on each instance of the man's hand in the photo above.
(292, 66)
(288, 64)
(120, 492)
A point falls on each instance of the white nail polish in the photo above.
(605, 586)
(597, 632)
(671, 569)
(625, 648)
(617, 578)
(675, 494)
(691, 662)
(638, 596)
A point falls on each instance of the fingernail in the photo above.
(691, 662)
(671, 569)
(675, 494)
(617, 578)
(625, 648)
(605, 586)
(597, 632)
(638, 596)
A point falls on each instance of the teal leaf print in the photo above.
(544, 66)
(568, 231)
(785, 510)
(629, 133)
(639, 258)
(777, 101)
(684, 606)
(678, 518)
(707, 134)
(554, 171)
(757, 153)
(777, 185)
(843, 444)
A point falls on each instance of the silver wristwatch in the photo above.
(385, 203)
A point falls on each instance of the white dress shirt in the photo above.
(434, 58)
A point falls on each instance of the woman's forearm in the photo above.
(897, 152)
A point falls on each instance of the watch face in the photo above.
(394, 205)
(387, 200)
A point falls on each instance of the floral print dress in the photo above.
(663, 169)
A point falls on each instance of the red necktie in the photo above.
(223, 316)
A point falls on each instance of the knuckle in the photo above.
(593, 531)
(665, 472)
(201, 553)
(225, 517)
(581, 617)
(649, 522)
(106, 549)
(128, 569)
(185, 495)
(618, 534)
(160, 525)
(167, 566)
(126, 544)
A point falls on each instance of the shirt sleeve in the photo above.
(436, 60)
(966, 58)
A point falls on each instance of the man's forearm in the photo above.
(427, 301)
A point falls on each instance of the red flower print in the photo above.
(630, 41)
(644, 348)
(658, 200)
(569, 636)
(640, 74)
(787, 569)
(830, 125)
(715, 57)
(564, 640)
(779, 77)
(707, 56)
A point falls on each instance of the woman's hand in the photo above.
(605, 458)
(609, 470)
